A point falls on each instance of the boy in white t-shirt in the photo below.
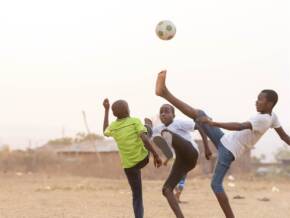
(231, 145)
(179, 133)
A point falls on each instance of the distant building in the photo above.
(89, 148)
(82, 148)
(283, 157)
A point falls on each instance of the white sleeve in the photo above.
(187, 125)
(157, 130)
(275, 121)
(259, 123)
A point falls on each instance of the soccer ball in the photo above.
(165, 30)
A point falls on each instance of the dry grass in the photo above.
(102, 165)
(40, 196)
(44, 185)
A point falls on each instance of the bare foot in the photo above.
(160, 88)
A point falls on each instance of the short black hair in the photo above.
(271, 96)
(120, 109)
(171, 107)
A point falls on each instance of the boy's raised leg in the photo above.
(162, 91)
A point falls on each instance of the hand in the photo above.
(166, 162)
(157, 161)
(208, 154)
(106, 104)
(204, 120)
(148, 122)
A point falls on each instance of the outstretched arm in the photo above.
(283, 135)
(106, 105)
(148, 145)
(207, 150)
(234, 126)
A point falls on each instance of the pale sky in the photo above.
(60, 57)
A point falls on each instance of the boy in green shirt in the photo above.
(133, 143)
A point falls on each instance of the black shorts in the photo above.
(139, 165)
(185, 160)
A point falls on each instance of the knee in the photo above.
(216, 187)
(166, 191)
(200, 113)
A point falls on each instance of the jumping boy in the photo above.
(177, 134)
(230, 145)
(133, 143)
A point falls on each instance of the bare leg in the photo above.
(173, 202)
(185, 160)
(177, 195)
(225, 204)
(162, 91)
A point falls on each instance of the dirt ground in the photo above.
(40, 196)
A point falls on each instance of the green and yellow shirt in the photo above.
(126, 133)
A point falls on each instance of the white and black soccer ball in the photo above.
(165, 30)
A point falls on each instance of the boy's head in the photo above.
(166, 114)
(120, 109)
(266, 101)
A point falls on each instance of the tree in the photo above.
(61, 141)
(282, 154)
(82, 137)
(5, 148)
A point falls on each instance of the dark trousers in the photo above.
(134, 178)
(185, 160)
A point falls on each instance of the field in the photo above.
(41, 196)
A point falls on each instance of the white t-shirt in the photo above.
(182, 127)
(238, 141)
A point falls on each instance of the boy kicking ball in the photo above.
(230, 145)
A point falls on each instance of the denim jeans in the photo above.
(225, 157)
